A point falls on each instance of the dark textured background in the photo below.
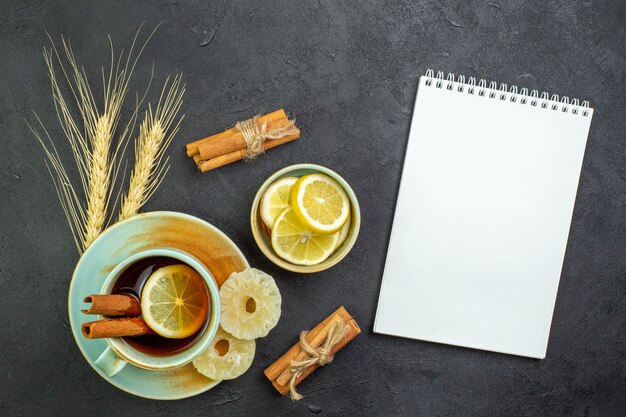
(348, 72)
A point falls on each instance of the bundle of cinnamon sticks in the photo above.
(281, 372)
(245, 140)
(125, 309)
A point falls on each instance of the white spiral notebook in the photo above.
(483, 215)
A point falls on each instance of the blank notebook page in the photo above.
(483, 215)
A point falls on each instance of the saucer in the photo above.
(147, 231)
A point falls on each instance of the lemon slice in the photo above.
(296, 244)
(343, 233)
(276, 199)
(320, 203)
(174, 301)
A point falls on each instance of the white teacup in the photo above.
(118, 354)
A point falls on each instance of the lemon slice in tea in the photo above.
(275, 199)
(293, 242)
(320, 203)
(174, 301)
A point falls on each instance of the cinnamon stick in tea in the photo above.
(113, 305)
(120, 327)
(280, 373)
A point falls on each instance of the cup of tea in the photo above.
(155, 352)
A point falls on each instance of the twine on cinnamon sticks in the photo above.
(256, 134)
(320, 356)
(314, 349)
(246, 140)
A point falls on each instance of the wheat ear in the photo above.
(97, 159)
(155, 134)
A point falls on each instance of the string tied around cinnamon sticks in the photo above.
(255, 134)
(280, 372)
(320, 356)
(245, 140)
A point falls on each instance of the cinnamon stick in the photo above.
(279, 373)
(197, 160)
(231, 139)
(113, 305)
(229, 158)
(120, 327)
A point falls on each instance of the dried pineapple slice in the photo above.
(226, 357)
(250, 304)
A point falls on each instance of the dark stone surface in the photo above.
(348, 71)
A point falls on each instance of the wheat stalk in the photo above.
(98, 190)
(155, 134)
(97, 160)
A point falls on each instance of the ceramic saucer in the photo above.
(146, 231)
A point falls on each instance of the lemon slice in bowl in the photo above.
(296, 244)
(343, 232)
(174, 301)
(275, 199)
(320, 203)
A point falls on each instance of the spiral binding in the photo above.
(504, 93)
